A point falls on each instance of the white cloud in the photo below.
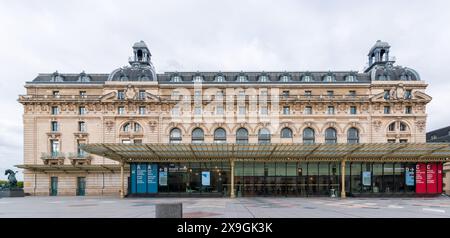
(96, 36)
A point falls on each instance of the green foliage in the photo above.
(4, 182)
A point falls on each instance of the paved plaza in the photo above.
(114, 207)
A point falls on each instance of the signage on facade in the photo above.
(152, 178)
(367, 178)
(141, 177)
(431, 178)
(163, 177)
(409, 176)
(420, 178)
(206, 179)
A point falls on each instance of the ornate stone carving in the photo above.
(130, 92)
(393, 93)
(152, 125)
(377, 125)
(109, 125)
(421, 125)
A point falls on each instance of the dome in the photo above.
(133, 73)
(140, 44)
(393, 73)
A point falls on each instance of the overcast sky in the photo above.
(96, 36)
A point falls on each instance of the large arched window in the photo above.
(264, 136)
(242, 136)
(391, 127)
(131, 126)
(308, 136)
(403, 127)
(330, 136)
(220, 135)
(198, 136)
(175, 135)
(286, 133)
(352, 136)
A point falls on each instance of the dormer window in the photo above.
(84, 78)
(329, 78)
(198, 79)
(351, 78)
(176, 79)
(263, 78)
(123, 78)
(307, 78)
(285, 78)
(220, 78)
(242, 78)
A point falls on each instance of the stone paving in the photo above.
(102, 207)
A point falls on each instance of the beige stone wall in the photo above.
(104, 125)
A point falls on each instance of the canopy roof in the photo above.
(423, 152)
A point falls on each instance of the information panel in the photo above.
(141, 177)
(152, 178)
(431, 178)
(421, 186)
(409, 175)
(163, 177)
(367, 177)
(133, 177)
(439, 177)
(206, 179)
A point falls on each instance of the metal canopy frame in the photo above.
(159, 152)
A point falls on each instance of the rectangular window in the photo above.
(386, 94)
(352, 93)
(120, 94)
(198, 110)
(286, 110)
(308, 93)
(391, 140)
(219, 110)
(408, 110)
(81, 126)
(285, 94)
(56, 94)
(330, 110)
(141, 110)
(137, 141)
(387, 110)
(55, 110)
(126, 141)
(330, 93)
(83, 94)
(141, 94)
(54, 126)
(54, 148)
(403, 141)
(408, 94)
(80, 152)
(241, 110)
(81, 110)
(121, 110)
(353, 110)
(308, 110)
(264, 110)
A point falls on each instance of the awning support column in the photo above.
(232, 195)
(122, 182)
(343, 178)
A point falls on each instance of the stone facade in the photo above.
(108, 106)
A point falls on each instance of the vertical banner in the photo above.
(439, 177)
(162, 176)
(206, 179)
(133, 177)
(409, 175)
(141, 177)
(152, 178)
(431, 178)
(421, 186)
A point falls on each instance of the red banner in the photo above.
(421, 186)
(439, 177)
(431, 178)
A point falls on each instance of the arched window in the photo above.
(242, 136)
(286, 133)
(137, 127)
(176, 79)
(307, 78)
(308, 136)
(126, 127)
(264, 136)
(175, 135)
(198, 136)
(403, 127)
(352, 136)
(242, 78)
(330, 136)
(129, 127)
(391, 127)
(351, 78)
(220, 135)
(285, 78)
(263, 78)
(329, 78)
(198, 78)
(220, 78)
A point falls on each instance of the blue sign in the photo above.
(133, 177)
(141, 177)
(409, 176)
(152, 178)
(367, 178)
(206, 179)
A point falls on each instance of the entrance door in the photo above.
(53, 186)
(81, 186)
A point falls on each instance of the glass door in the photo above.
(81, 186)
(53, 186)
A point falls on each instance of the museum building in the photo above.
(135, 132)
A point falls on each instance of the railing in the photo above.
(53, 158)
(348, 97)
(59, 98)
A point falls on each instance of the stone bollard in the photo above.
(169, 210)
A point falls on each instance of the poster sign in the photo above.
(152, 178)
(206, 179)
(409, 176)
(431, 178)
(367, 177)
(141, 177)
(420, 178)
(439, 177)
(163, 177)
(133, 178)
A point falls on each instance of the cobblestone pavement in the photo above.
(226, 208)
